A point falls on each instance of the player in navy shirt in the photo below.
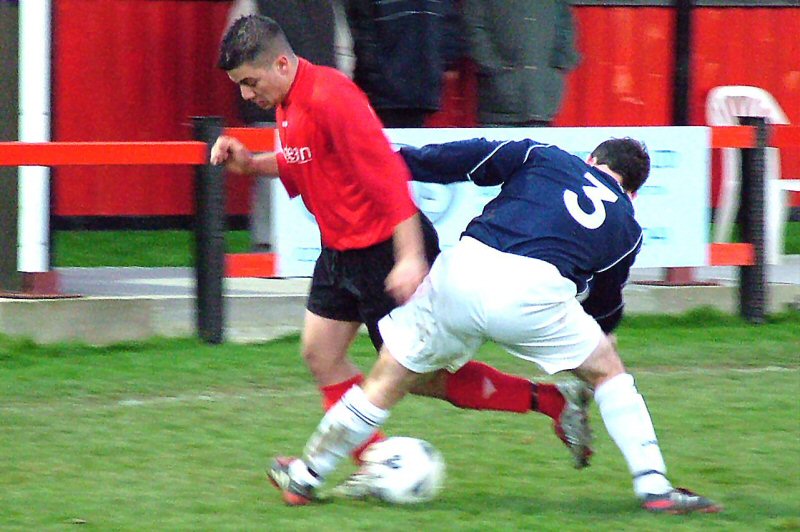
(559, 228)
(599, 237)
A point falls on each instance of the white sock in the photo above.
(628, 422)
(346, 426)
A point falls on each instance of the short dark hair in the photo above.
(626, 156)
(248, 38)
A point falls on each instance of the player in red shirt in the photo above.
(376, 245)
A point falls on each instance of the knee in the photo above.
(320, 361)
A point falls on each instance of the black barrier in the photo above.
(753, 279)
(681, 83)
(209, 230)
(10, 277)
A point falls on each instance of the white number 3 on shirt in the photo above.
(597, 192)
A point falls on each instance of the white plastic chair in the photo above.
(723, 107)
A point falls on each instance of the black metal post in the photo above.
(683, 55)
(10, 278)
(753, 279)
(209, 229)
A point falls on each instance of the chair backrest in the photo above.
(724, 104)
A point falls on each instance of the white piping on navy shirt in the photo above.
(623, 256)
(527, 154)
(610, 313)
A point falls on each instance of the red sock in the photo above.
(331, 395)
(333, 392)
(548, 400)
(481, 387)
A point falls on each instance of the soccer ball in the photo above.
(402, 470)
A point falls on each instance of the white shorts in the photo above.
(475, 293)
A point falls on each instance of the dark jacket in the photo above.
(523, 49)
(402, 49)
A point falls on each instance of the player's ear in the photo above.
(591, 161)
(282, 64)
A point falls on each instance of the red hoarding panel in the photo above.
(136, 70)
(625, 74)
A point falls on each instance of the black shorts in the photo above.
(349, 285)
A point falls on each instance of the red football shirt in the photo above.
(336, 157)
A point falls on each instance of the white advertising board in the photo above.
(672, 207)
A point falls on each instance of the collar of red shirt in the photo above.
(302, 83)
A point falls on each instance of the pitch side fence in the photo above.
(212, 265)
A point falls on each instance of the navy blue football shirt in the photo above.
(552, 206)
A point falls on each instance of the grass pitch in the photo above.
(175, 435)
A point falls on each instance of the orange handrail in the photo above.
(779, 136)
(733, 137)
(100, 153)
(124, 153)
(731, 254)
(784, 136)
(258, 139)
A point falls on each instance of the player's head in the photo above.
(627, 157)
(257, 56)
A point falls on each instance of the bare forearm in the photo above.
(408, 242)
(265, 164)
(410, 265)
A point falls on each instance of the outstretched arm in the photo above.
(484, 162)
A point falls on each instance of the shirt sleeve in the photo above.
(356, 135)
(605, 303)
(486, 163)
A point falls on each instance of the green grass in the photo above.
(134, 248)
(792, 242)
(174, 248)
(174, 435)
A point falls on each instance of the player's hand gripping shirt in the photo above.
(552, 206)
(336, 157)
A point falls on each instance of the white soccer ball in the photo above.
(402, 470)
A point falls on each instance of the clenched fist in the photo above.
(233, 154)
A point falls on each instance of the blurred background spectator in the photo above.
(523, 50)
(402, 50)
